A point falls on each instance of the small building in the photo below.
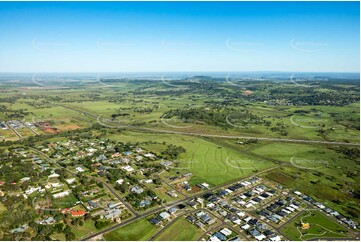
(77, 213)
(93, 204)
(79, 169)
(220, 236)
(191, 219)
(172, 210)
(305, 226)
(144, 203)
(47, 221)
(172, 193)
(226, 231)
(148, 181)
(61, 194)
(113, 213)
(164, 215)
(54, 175)
(136, 189)
(20, 229)
(25, 179)
(128, 168)
(155, 221)
(70, 180)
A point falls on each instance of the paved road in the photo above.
(120, 125)
(14, 131)
(33, 131)
(130, 208)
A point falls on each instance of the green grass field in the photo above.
(58, 236)
(181, 230)
(206, 160)
(86, 229)
(2, 208)
(320, 227)
(138, 230)
(65, 202)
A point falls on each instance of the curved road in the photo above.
(206, 135)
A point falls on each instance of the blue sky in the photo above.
(179, 36)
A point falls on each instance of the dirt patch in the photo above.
(47, 128)
(69, 127)
(195, 189)
(248, 93)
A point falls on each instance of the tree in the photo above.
(70, 236)
(67, 230)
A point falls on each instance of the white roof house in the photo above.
(297, 193)
(128, 168)
(31, 190)
(245, 227)
(148, 181)
(53, 184)
(54, 175)
(79, 169)
(275, 238)
(25, 179)
(61, 194)
(206, 185)
(226, 231)
(149, 155)
(70, 180)
(260, 237)
(137, 190)
(164, 215)
(214, 238)
(241, 214)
